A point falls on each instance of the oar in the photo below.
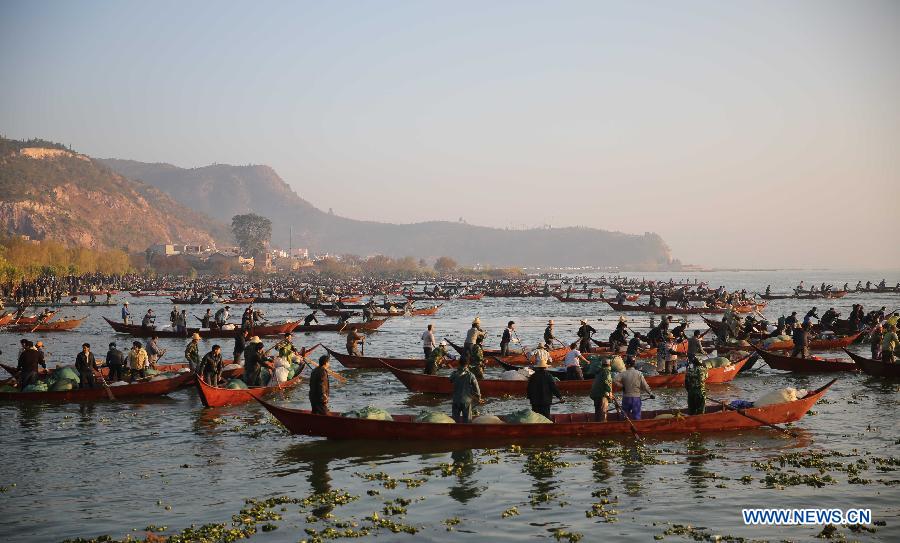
(755, 419)
(106, 386)
(622, 412)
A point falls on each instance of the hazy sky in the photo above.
(745, 133)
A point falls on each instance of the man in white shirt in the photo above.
(572, 363)
(428, 341)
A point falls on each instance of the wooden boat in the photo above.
(52, 326)
(220, 397)
(516, 358)
(876, 368)
(240, 301)
(134, 390)
(404, 427)
(805, 296)
(369, 326)
(261, 331)
(377, 362)
(830, 344)
(339, 312)
(570, 299)
(670, 310)
(425, 311)
(439, 384)
(805, 365)
(477, 296)
(6, 318)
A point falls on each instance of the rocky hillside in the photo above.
(48, 191)
(222, 191)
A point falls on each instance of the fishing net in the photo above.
(369, 412)
(527, 416)
(236, 384)
(487, 419)
(434, 417)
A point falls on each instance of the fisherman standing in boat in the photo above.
(319, 387)
(354, 338)
(126, 315)
(695, 384)
(192, 353)
(211, 366)
(572, 363)
(507, 338)
(889, 343)
(541, 386)
(465, 392)
(137, 360)
(222, 316)
(602, 391)
(633, 383)
(154, 353)
(311, 318)
(252, 361)
(435, 358)
(428, 341)
(476, 358)
(207, 319)
(474, 332)
(30, 362)
(115, 361)
(585, 331)
(801, 340)
(548, 334)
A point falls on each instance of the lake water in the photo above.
(118, 468)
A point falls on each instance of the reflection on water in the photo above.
(464, 466)
(697, 476)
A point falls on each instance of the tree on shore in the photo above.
(252, 232)
(445, 264)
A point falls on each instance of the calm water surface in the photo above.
(117, 468)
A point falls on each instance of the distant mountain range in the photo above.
(47, 190)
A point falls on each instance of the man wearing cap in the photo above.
(632, 382)
(474, 332)
(507, 338)
(572, 363)
(115, 361)
(584, 333)
(126, 315)
(619, 337)
(465, 392)
(137, 360)
(191, 352)
(541, 387)
(602, 391)
(435, 358)
(548, 334)
(319, 387)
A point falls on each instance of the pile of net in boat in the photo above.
(738, 342)
(717, 362)
(781, 395)
(769, 341)
(520, 374)
(235, 384)
(369, 412)
(434, 417)
(527, 416)
(616, 364)
(487, 419)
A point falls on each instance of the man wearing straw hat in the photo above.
(541, 386)
(471, 336)
(192, 352)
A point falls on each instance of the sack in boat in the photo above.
(8, 388)
(487, 419)
(66, 373)
(369, 412)
(512, 375)
(40, 386)
(227, 327)
(434, 417)
(783, 395)
(717, 362)
(664, 416)
(236, 384)
(617, 364)
(63, 385)
(184, 370)
(648, 369)
(232, 367)
(159, 377)
(527, 416)
(120, 383)
(785, 337)
(150, 372)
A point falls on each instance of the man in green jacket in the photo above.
(191, 353)
(695, 384)
(602, 391)
(476, 358)
(436, 359)
(465, 392)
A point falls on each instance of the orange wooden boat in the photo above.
(438, 384)
(52, 326)
(670, 310)
(220, 397)
(5, 318)
(876, 368)
(518, 358)
(375, 362)
(816, 344)
(478, 296)
(369, 326)
(805, 365)
(571, 299)
(134, 390)
(240, 301)
(425, 311)
(403, 427)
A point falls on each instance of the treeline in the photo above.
(24, 259)
(380, 266)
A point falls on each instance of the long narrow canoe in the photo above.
(817, 344)
(375, 362)
(517, 358)
(52, 326)
(369, 326)
(424, 312)
(570, 299)
(404, 427)
(135, 390)
(261, 331)
(220, 397)
(805, 365)
(670, 310)
(440, 384)
(876, 367)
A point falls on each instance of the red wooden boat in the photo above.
(403, 427)
(261, 331)
(805, 365)
(478, 296)
(817, 344)
(135, 390)
(220, 397)
(240, 301)
(373, 324)
(876, 368)
(570, 299)
(517, 358)
(438, 384)
(376, 362)
(670, 310)
(52, 326)
(5, 318)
